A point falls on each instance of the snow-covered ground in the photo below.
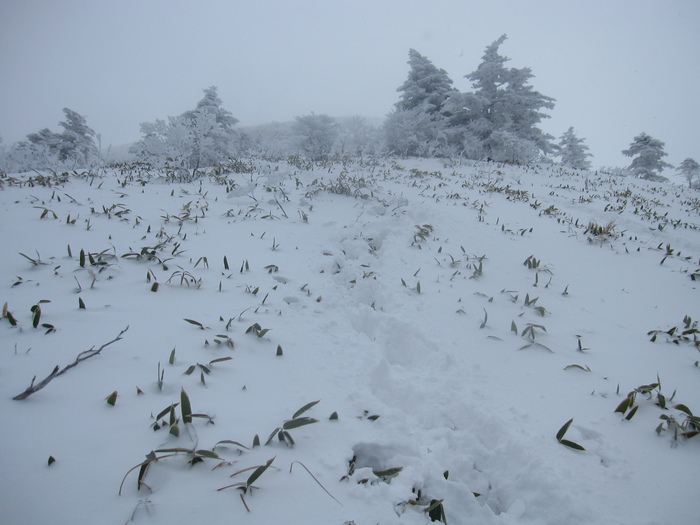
(453, 316)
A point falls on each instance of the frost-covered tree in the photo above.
(47, 139)
(690, 170)
(427, 87)
(503, 101)
(74, 146)
(275, 139)
(647, 154)
(356, 137)
(573, 151)
(213, 129)
(411, 133)
(416, 127)
(77, 139)
(165, 142)
(3, 157)
(203, 136)
(315, 135)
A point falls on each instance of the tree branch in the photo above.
(82, 356)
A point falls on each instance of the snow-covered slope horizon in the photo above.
(450, 318)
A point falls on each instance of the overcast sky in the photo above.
(615, 67)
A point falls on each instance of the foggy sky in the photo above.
(615, 67)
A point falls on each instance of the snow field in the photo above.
(380, 309)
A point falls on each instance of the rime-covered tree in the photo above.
(77, 138)
(647, 154)
(573, 151)
(212, 129)
(74, 146)
(502, 114)
(315, 135)
(47, 139)
(412, 133)
(690, 170)
(3, 157)
(416, 125)
(203, 136)
(165, 143)
(356, 137)
(427, 87)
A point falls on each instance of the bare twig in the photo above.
(82, 356)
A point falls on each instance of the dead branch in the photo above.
(82, 356)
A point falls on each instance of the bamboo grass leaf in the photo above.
(632, 413)
(166, 410)
(304, 409)
(571, 444)
(269, 439)
(563, 429)
(259, 472)
(683, 408)
(185, 407)
(622, 407)
(230, 442)
(298, 422)
(208, 454)
(220, 359)
(112, 398)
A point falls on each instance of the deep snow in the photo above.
(403, 304)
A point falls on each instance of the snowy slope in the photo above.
(392, 288)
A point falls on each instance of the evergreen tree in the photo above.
(47, 139)
(573, 151)
(502, 114)
(75, 145)
(690, 170)
(426, 88)
(203, 136)
(646, 153)
(521, 109)
(212, 130)
(77, 139)
(416, 126)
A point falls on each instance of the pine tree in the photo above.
(74, 145)
(426, 88)
(77, 139)
(212, 130)
(646, 153)
(573, 151)
(502, 114)
(203, 136)
(45, 138)
(690, 170)
(521, 109)
(416, 126)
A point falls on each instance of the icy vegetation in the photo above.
(375, 340)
